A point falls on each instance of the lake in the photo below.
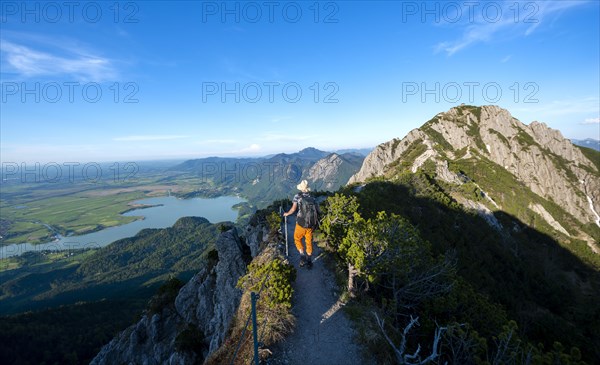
(170, 210)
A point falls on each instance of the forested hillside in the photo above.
(95, 294)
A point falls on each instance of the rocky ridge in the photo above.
(537, 156)
(333, 171)
(206, 303)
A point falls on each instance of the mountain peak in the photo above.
(311, 151)
(488, 141)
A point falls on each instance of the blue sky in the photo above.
(139, 80)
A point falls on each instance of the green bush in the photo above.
(271, 276)
(274, 277)
(224, 227)
(165, 296)
(274, 221)
(338, 215)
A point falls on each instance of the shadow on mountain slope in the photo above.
(547, 289)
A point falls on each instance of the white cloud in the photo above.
(484, 28)
(253, 148)
(506, 59)
(159, 137)
(591, 121)
(26, 61)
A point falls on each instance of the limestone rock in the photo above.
(376, 162)
(539, 157)
(207, 302)
(254, 236)
(333, 171)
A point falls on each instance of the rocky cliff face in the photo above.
(206, 303)
(489, 138)
(333, 171)
(377, 161)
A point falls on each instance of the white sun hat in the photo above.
(303, 186)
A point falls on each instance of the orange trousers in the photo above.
(306, 233)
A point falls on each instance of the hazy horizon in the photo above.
(192, 156)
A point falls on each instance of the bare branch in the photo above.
(408, 359)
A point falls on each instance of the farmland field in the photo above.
(36, 212)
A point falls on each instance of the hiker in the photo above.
(306, 221)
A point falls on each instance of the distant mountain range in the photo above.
(359, 151)
(265, 179)
(588, 142)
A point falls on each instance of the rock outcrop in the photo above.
(376, 162)
(255, 235)
(333, 171)
(206, 303)
(537, 156)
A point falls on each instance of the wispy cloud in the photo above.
(591, 121)
(144, 138)
(277, 119)
(506, 59)
(48, 59)
(483, 28)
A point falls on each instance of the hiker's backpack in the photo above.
(308, 215)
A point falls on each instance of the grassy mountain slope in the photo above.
(489, 161)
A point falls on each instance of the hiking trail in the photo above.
(323, 334)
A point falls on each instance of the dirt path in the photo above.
(323, 334)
